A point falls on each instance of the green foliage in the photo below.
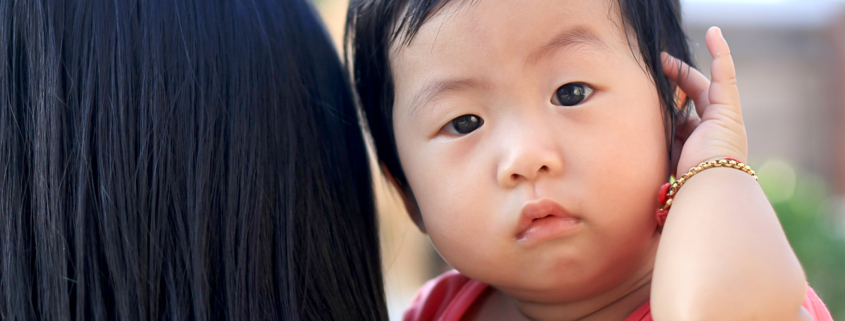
(807, 212)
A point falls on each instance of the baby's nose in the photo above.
(528, 157)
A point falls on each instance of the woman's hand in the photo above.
(720, 132)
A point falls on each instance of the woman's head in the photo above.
(180, 159)
(532, 135)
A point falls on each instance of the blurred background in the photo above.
(790, 60)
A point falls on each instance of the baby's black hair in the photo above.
(374, 25)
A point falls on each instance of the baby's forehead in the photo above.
(488, 38)
(499, 25)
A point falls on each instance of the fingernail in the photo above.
(720, 33)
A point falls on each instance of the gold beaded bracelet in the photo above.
(668, 191)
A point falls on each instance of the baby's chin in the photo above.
(566, 287)
(558, 277)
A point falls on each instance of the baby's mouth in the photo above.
(543, 220)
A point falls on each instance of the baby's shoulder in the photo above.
(815, 307)
(446, 297)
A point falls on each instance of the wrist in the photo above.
(684, 167)
(669, 190)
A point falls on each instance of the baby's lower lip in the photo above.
(548, 228)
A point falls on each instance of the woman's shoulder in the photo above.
(445, 297)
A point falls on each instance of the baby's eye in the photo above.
(571, 94)
(464, 124)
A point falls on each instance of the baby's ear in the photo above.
(683, 128)
(407, 199)
(680, 98)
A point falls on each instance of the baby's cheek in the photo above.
(628, 226)
(461, 226)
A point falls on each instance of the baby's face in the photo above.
(533, 141)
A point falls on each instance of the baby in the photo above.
(530, 140)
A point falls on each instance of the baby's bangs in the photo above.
(416, 13)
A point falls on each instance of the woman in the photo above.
(180, 159)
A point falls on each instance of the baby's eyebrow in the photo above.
(579, 35)
(437, 87)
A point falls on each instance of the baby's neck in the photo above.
(616, 304)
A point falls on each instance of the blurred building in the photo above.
(790, 61)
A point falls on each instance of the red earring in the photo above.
(665, 203)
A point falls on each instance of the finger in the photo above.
(723, 90)
(690, 80)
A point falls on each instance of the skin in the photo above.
(746, 268)
(601, 160)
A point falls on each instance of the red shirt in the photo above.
(448, 297)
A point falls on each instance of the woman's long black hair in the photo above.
(180, 159)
